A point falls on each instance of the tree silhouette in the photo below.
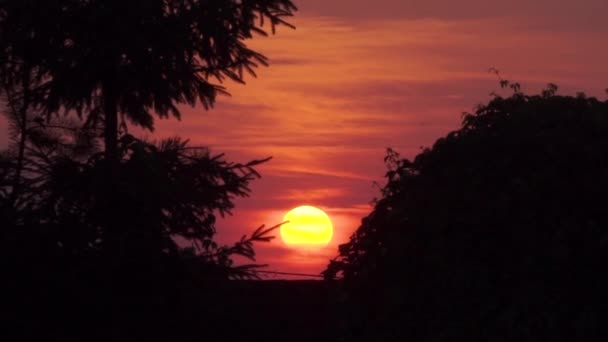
(497, 232)
(165, 191)
(94, 220)
(114, 60)
(163, 257)
(111, 60)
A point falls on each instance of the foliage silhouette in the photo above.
(54, 242)
(497, 232)
(165, 192)
(103, 232)
(103, 59)
(114, 59)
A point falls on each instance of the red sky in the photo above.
(358, 76)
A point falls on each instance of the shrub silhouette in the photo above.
(497, 232)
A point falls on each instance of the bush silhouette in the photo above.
(497, 232)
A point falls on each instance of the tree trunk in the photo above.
(111, 196)
(111, 125)
(21, 119)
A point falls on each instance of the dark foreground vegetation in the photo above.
(105, 236)
(497, 232)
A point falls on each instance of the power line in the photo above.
(292, 274)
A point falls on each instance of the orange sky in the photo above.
(358, 76)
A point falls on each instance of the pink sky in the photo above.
(359, 76)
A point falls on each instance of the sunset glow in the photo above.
(306, 226)
(356, 77)
(304, 170)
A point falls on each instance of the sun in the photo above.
(306, 226)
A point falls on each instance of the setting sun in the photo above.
(306, 225)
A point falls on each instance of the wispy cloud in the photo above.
(313, 195)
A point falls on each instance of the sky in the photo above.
(358, 76)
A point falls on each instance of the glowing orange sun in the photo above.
(307, 226)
